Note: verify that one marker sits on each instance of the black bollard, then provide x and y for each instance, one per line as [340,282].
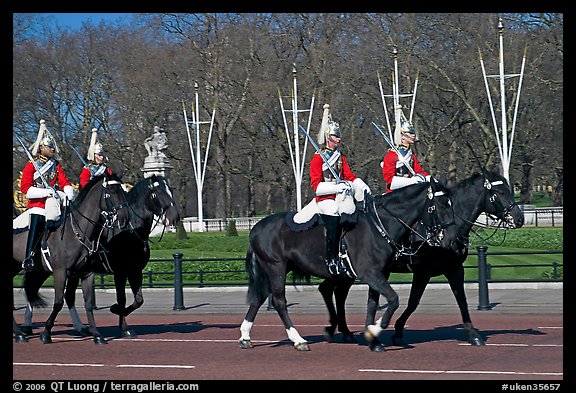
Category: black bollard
[178,290]
[483,302]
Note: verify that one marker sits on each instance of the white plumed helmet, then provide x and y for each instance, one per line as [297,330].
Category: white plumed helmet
[402,126]
[95,146]
[328,126]
[44,138]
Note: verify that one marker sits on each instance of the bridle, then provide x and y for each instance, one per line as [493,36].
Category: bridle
[109,216]
[160,210]
[434,231]
[496,201]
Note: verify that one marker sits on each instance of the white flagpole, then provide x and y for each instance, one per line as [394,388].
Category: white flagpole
[504,145]
[517,101]
[506,159]
[295,157]
[385,108]
[195,151]
[396,95]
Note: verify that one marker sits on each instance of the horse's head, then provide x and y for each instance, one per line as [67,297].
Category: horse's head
[113,201]
[161,200]
[499,200]
[438,217]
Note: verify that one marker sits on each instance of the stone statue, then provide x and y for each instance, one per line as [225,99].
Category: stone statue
[155,143]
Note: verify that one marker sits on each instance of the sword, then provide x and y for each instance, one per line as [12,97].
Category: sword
[321,154]
[82,159]
[44,182]
[400,156]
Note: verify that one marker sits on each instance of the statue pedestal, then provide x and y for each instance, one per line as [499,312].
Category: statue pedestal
[156,166]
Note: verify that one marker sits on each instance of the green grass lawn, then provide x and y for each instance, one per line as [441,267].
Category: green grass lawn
[219,245]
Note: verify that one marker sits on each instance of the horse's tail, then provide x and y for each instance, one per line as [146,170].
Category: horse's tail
[32,284]
[258,281]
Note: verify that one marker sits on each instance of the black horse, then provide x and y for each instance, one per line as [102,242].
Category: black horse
[486,192]
[275,250]
[126,253]
[100,205]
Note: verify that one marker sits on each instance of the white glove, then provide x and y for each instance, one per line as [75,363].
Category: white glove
[37,192]
[399,182]
[326,188]
[343,187]
[69,191]
[359,185]
[420,178]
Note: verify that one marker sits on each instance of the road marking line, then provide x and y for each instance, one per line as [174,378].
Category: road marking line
[459,372]
[59,364]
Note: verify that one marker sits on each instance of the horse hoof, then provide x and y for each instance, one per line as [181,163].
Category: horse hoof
[329,334]
[246,344]
[129,334]
[477,341]
[100,340]
[21,338]
[45,338]
[26,330]
[302,347]
[376,346]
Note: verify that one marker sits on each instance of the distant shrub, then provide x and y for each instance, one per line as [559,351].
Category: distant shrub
[231,230]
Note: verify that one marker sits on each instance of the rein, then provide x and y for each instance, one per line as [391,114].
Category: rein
[154,197]
[493,199]
[434,229]
[109,220]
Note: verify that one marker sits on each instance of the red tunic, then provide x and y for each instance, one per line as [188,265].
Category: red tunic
[389,169]
[86,174]
[53,176]
[317,175]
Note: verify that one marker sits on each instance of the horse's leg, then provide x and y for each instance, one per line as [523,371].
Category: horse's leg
[135,281]
[372,306]
[256,300]
[380,284]
[70,298]
[419,283]
[119,308]
[456,280]
[89,302]
[59,283]
[26,327]
[19,336]
[279,302]
[340,294]
[327,289]
[36,284]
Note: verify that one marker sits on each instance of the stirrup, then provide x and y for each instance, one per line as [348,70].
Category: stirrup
[28,264]
[336,267]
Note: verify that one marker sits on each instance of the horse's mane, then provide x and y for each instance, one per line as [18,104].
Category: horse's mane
[140,190]
[474,177]
[95,180]
[401,194]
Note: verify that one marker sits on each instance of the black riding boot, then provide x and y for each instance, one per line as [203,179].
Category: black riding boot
[37,223]
[332,224]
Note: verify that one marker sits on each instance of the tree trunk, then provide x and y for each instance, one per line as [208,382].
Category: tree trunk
[558,199]
[525,184]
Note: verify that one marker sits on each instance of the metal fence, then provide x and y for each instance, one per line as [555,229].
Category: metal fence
[533,216]
[177,277]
